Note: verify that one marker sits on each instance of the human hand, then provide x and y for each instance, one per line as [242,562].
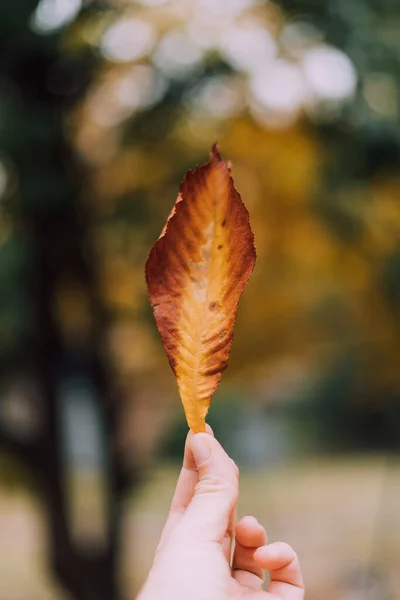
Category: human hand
[192,561]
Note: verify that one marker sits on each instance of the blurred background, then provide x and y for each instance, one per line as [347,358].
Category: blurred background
[104,105]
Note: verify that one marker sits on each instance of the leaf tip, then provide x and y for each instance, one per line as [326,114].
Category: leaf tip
[217,158]
[215,153]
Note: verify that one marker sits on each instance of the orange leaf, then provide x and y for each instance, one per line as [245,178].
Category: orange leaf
[195,274]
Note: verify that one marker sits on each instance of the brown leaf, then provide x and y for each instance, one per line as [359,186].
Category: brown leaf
[195,274]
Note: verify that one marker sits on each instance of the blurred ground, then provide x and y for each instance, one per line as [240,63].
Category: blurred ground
[339,514]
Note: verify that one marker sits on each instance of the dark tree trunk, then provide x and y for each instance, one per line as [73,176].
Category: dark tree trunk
[88,574]
[47,211]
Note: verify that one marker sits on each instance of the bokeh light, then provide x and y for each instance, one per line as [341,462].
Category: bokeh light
[54,14]
[329,73]
[127,40]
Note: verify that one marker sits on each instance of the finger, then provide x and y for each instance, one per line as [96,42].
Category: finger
[261,595]
[188,477]
[228,542]
[209,511]
[249,536]
[184,491]
[226,546]
[250,533]
[281,561]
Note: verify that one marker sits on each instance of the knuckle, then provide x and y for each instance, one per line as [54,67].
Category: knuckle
[216,485]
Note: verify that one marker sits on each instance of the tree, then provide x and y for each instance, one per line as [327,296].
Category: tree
[54,334]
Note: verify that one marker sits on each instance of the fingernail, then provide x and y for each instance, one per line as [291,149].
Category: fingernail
[201,449]
[209,430]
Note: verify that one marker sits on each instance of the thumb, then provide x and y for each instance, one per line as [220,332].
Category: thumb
[208,514]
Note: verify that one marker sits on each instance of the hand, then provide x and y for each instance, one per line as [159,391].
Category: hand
[192,561]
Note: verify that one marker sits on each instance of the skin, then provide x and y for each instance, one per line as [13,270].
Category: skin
[193,557]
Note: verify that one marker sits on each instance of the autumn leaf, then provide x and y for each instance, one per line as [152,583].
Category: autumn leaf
[195,274]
